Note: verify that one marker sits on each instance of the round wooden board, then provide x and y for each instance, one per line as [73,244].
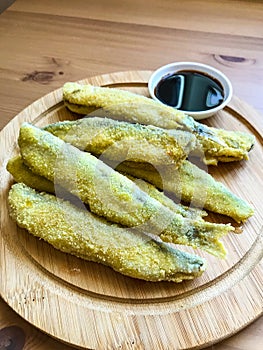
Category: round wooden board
[90,306]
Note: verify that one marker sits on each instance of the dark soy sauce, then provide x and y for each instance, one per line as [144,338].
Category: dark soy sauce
[190,91]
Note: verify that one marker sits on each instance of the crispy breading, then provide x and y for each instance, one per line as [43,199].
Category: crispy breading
[22,173]
[192,213]
[77,231]
[188,182]
[123,105]
[193,185]
[112,195]
[214,144]
[108,137]
[235,146]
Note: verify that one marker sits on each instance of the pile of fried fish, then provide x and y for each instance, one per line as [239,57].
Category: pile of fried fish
[108,187]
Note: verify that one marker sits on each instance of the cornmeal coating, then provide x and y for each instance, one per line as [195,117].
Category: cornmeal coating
[187,212]
[193,185]
[123,105]
[188,182]
[78,232]
[233,146]
[214,144]
[113,140]
[111,194]
[22,173]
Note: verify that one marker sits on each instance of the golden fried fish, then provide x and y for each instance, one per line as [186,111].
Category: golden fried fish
[77,231]
[112,195]
[186,181]
[108,137]
[214,144]
[192,185]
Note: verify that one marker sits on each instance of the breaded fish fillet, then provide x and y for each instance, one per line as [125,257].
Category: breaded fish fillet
[192,213]
[108,137]
[112,195]
[234,146]
[193,185]
[187,182]
[77,231]
[22,173]
[123,105]
[215,144]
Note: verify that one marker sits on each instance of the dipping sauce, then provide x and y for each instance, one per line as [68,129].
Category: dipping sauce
[189,90]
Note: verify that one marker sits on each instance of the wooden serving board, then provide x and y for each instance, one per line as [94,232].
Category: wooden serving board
[90,306]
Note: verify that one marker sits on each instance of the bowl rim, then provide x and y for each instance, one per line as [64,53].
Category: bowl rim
[164,70]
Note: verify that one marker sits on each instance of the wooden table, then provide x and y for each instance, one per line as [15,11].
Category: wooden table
[44,44]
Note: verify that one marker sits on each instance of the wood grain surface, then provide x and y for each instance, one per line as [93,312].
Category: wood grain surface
[43,44]
[111,310]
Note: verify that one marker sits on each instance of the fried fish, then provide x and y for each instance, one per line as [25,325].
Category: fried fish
[108,138]
[78,232]
[112,195]
[22,173]
[123,105]
[192,185]
[214,144]
[186,181]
